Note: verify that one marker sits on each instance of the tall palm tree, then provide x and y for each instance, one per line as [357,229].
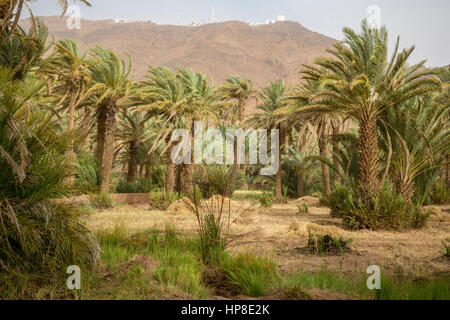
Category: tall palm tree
[133,131]
[112,86]
[238,89]
[298,100]
[71,68]
[360,82]
[273,98]
[163,94]
[202,101]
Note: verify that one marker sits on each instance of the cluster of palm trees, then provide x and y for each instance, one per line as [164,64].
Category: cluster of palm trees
[400,111]
[361,83]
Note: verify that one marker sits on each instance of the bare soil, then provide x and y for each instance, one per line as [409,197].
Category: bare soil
[281,232]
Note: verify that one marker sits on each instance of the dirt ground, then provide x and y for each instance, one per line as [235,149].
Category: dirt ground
[281,232]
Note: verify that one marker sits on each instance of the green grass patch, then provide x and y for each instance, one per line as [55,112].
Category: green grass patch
[250,275]
[247,195]
[392,287]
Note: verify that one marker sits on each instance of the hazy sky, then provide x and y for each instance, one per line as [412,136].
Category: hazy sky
[424,23]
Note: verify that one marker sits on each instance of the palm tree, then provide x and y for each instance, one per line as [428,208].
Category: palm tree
[302,164]
[360,82]
[273,98]
[236,88]
[72,71]
[163,94]
[37,233]
[23,51]
[11,10]
[201,102]
[418,128]
[112,86]
[298,100]
[133,131]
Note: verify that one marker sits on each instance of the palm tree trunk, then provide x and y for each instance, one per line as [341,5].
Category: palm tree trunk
[132,162]
[70,151]
[336,176]
[447,172]
[108,157]
[101,131]
[148,172]
[278,188]
[244,171]
[170,169]
[368,162]
[323,150]
[188,183]
[278,179]
[242,105]
[232,181]
[300,184]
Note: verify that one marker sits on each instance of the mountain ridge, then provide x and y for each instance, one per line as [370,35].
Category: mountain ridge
[261,53]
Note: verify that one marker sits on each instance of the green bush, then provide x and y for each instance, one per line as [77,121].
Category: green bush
[250,275]
[86,171]
[141,185]
[101,201]
[327,244]
[440,193]
[212,221]
[387,210]
[162,200]
[266,199]
[40,237]
[214,180]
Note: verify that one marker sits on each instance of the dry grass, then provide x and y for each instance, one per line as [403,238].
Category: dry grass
[280,231]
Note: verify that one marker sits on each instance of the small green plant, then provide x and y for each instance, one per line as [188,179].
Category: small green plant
[266,199]
[163,200]
[250,275]
[101,201]
[303,208]
[212,224]
[327,244]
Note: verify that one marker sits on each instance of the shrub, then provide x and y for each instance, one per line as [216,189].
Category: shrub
[162,200]
[250,275]
[40,237]
[387,210]
[266,199]
[440,193]
[86,171]
[141,185]
[214,180]
[211,224]
[181,266]
[101,201]
[327,244]
[303,208]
